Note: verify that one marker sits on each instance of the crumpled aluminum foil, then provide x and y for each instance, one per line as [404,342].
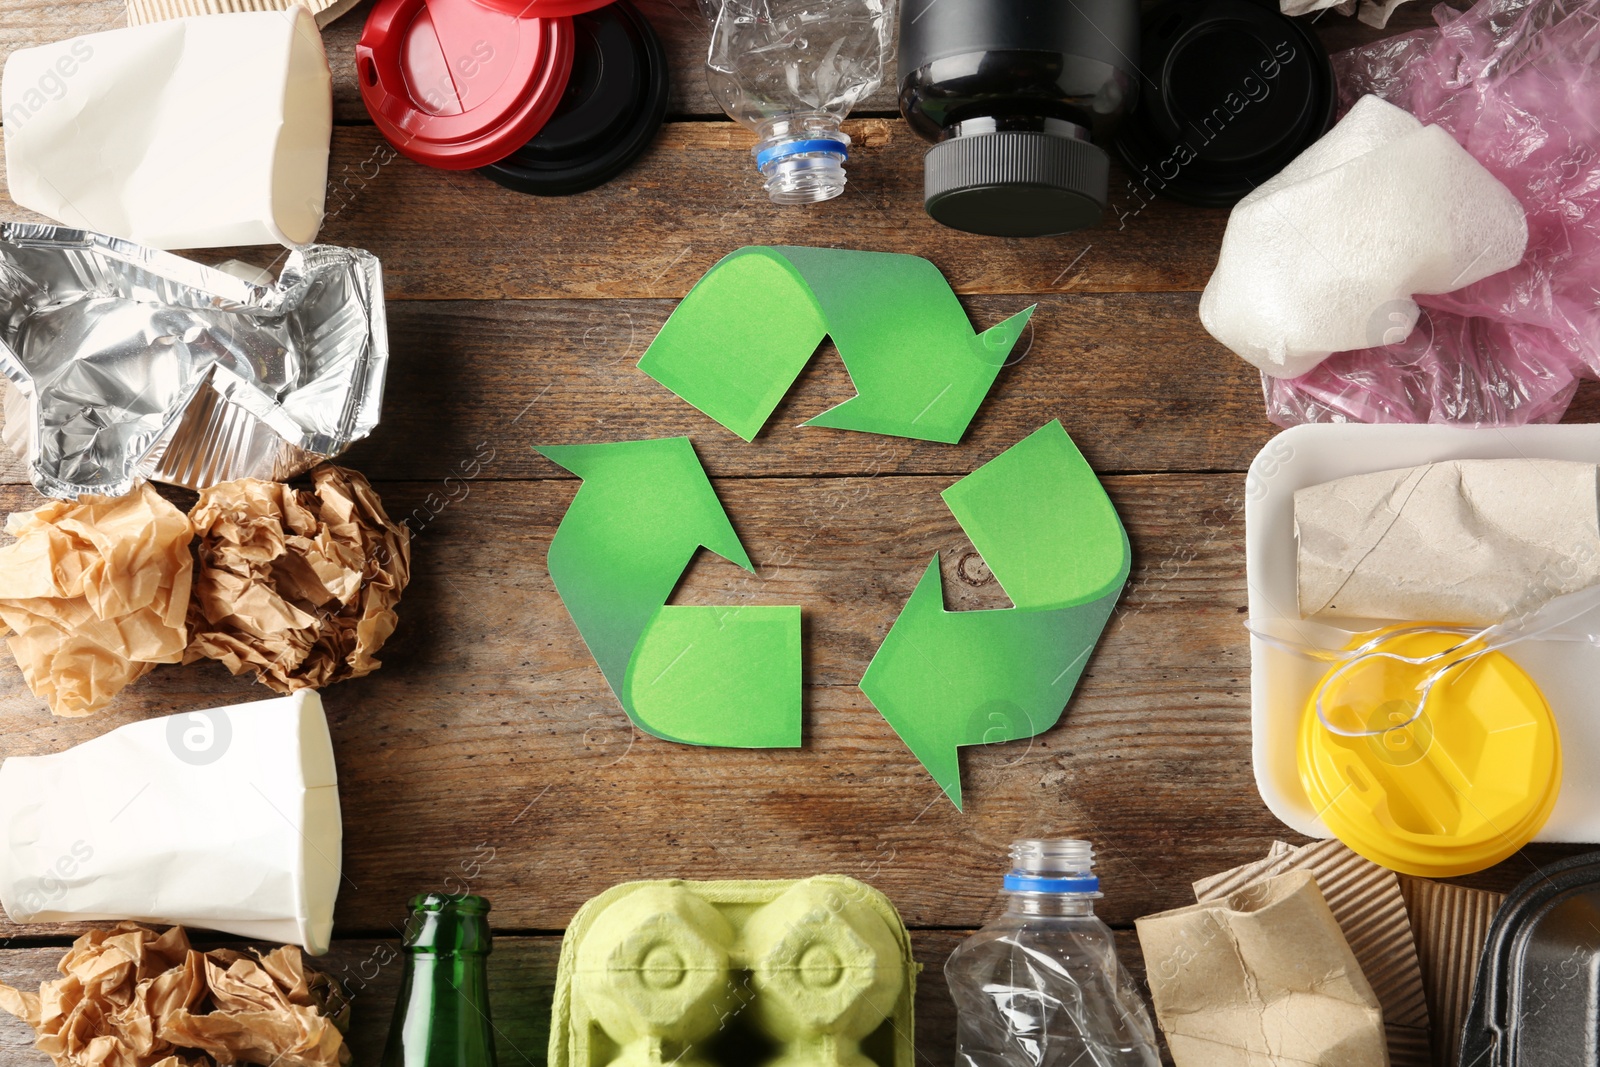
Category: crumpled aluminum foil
[129,363]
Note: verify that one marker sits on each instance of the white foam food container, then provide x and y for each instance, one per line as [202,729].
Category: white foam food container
[1281,682]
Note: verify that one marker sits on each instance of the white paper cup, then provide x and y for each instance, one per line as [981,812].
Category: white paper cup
[193,133]
[226,819]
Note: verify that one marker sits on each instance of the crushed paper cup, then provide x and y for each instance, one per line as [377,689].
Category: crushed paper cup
[226,819]
[143,11]
[1367,903]
[1261,976]
[138,364]
[194,133]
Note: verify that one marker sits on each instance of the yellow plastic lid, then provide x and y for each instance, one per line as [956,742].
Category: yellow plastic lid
[1462,787]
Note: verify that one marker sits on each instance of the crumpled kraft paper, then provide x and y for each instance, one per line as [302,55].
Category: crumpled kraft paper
[1470,541]
[132,998]
[298,587]
[1262,978]
[95,593]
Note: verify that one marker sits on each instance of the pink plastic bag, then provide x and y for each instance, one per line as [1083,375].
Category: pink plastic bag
[1517,83]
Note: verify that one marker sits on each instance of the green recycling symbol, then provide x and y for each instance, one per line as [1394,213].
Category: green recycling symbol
[731,676]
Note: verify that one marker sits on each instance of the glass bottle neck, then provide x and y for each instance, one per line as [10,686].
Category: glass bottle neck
[1050,903]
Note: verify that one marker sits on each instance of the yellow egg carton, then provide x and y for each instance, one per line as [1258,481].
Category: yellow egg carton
[814,972]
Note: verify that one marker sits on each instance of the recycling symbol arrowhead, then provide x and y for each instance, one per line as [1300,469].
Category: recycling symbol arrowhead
[731,676]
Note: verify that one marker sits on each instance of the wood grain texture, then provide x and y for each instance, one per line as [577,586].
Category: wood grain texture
[1135,380]
[691,199]
[490,726]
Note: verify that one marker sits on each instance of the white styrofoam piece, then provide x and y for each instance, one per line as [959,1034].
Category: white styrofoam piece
[1325,256]
[1281,683]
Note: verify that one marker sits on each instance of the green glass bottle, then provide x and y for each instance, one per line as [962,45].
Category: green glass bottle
[441,1018]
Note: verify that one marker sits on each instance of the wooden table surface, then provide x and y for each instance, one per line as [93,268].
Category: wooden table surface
[488,752]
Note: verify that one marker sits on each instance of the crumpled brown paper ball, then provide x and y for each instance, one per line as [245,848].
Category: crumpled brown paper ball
[297,586]
[132,998]
[95,592]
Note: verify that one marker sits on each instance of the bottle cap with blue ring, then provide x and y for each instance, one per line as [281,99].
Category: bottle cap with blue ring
[614,103]
[1231,91]
[773,153]
[455,84]
[1052,866]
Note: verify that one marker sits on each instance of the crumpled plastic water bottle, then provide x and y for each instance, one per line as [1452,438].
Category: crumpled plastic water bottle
[1041,986]
[791,70]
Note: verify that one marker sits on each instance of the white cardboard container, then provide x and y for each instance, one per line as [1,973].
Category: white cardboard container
[1281,682]
[192,133]
[225,819]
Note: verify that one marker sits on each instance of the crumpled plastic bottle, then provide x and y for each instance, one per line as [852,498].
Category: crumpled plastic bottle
[1040,986]
[791,70]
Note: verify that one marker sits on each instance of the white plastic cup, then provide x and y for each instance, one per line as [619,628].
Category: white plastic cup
[193,133]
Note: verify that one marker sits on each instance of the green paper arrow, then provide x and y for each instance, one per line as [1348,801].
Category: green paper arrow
[736,343]
[1044,525]
[727,676]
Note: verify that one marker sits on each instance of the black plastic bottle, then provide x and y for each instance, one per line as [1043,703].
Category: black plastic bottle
[1015,93]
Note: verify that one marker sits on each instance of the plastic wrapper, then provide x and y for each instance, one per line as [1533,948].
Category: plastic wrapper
[298,587]
[133,363]
[1372,12]
[1515,82]
[129,997]
[95,594]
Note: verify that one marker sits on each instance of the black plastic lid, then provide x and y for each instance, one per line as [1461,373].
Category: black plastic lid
[1016,183]
[614,104]
[1537,992]
[1230,92]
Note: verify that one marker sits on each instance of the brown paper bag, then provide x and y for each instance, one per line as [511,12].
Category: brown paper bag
[1261,978]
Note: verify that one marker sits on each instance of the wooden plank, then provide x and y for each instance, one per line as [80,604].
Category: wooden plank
[489,702]
[489,751]
[522,974]
[472,385]
[684,34]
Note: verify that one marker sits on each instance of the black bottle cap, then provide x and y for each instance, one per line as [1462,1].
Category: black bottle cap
[614,104]
[1230,92]
[1015,183]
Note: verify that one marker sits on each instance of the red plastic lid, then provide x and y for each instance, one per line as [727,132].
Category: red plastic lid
[456,84]
[544,9]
